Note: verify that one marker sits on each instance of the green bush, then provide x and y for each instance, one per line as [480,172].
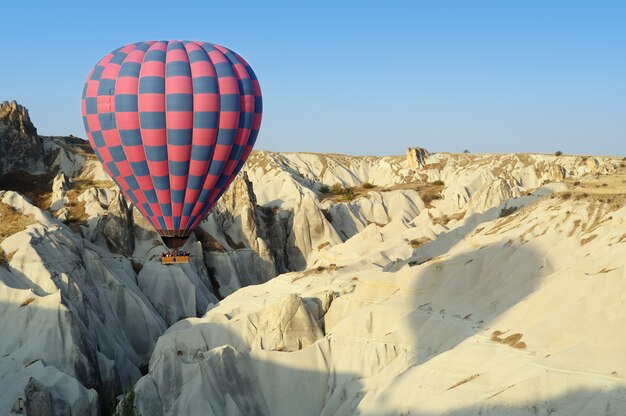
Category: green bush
[337,189]
[348,194]
[438,182]
[324,189]
[558,153]
[128,406]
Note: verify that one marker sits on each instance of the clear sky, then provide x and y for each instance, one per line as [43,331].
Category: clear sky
[359,77]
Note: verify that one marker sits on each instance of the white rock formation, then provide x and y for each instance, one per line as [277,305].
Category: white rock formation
[386,304]
[466,324]
[177,292]
[235,226]
[59,186]
[287,325]
[416,157]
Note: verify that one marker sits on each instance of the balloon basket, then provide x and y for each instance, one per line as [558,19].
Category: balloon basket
[184,259]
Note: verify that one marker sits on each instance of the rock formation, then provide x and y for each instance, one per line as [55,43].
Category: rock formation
[20,147]
[438,284]
[416,157]
[287,325]
[60,186]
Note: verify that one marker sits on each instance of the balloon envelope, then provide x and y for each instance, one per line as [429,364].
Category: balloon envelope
[172,123]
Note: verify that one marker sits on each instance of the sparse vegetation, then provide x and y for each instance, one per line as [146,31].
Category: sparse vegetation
[588,239]
[513,340]
[77,214]
[438,182]
[324,189]
[128,404]
[348,194]
[336,189]
[445,219]
[84,184]
[558,153]
[417,242]
[429,197]
[367,185]
[321,269]
[37,188]
[342,193]
[465,380]
[507,211]
[12,221]
[27,302]
[324,244]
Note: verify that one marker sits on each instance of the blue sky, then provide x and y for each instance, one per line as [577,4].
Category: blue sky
[360,77]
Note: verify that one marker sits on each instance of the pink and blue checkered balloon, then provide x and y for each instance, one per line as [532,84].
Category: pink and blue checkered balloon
[172,123]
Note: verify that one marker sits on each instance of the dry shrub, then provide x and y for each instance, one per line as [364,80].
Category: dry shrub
[429,195]
[84,184]
[5,258]
[37,188]
[27,302]
[465,380]
[588,239]
[321,269]
[367,185]
[325,244]
[445,219]
[12,221]
[76,212]
[513,340]
[417,242]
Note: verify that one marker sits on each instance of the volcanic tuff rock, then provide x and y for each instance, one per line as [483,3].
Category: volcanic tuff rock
[466,323]
[287,325]
[437,275]
[60,185]
[416,157]
[20,146]
[236,228]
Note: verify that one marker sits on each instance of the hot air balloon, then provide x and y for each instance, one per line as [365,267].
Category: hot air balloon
[172,122]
